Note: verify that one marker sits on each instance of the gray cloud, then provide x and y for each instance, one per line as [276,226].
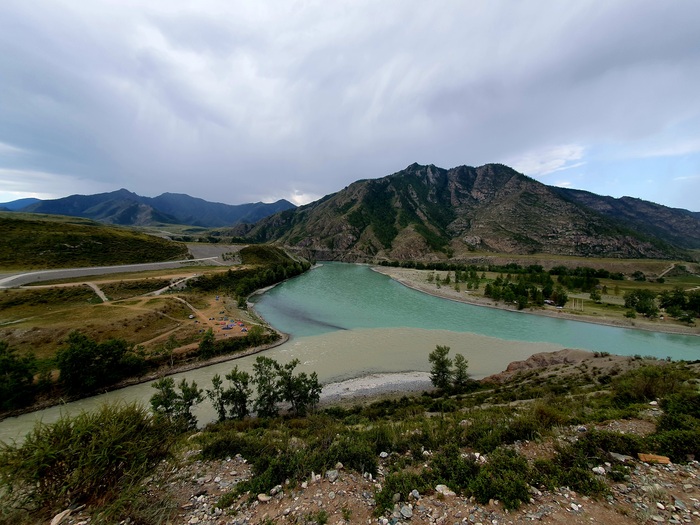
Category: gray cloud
[238,101]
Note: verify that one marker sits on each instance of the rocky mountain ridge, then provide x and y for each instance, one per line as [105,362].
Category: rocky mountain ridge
[429,213]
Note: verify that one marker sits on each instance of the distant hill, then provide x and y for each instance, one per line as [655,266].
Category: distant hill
[17,205]
[126,208]
[677,226]
[31,241]
[426,212]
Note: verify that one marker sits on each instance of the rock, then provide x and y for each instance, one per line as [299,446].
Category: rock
[660,506]
[383,455]
[339,466]
[598,470]
[653,458]
[622,458]
[406,512]
[264,498]
[58,518]
[275,490]
[444,490]
[331,475]
[415,494]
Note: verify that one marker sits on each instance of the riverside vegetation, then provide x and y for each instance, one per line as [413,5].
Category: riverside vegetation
[597,292]
[130,336]
[118,461]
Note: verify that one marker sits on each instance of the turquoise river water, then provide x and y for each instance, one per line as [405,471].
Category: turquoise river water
[347,321]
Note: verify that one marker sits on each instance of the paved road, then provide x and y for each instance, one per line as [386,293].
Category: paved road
[20,279]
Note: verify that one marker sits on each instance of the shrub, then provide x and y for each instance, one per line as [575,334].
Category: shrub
[450,468]
[401,483]
[648,383]
[90,458]
[679,445]
[505,477]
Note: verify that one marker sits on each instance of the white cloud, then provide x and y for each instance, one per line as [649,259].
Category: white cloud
[19,184]
[548,160]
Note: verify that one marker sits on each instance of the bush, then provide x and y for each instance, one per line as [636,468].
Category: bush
[648,383]
[679,445]
[91,458]
[453,470]
[504,477]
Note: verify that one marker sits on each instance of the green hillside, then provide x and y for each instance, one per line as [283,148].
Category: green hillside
[32,242]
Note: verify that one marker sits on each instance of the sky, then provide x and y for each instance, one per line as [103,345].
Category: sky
[240,101]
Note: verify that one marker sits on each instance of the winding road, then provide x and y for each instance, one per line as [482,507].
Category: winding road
[20,279]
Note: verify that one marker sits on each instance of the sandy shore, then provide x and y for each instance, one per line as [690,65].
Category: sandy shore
[375,386]
[416,279]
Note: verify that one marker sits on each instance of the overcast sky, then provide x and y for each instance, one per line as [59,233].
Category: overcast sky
[246,101]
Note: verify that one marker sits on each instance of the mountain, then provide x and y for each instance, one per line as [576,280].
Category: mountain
[677,226]
[126,208]
[17,205]
[425,212]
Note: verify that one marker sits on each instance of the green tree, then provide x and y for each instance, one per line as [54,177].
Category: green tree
[642,301]
[460,374]
[16,378]
[595,295]
[188,397]
[302,391]
[267,386]
[170,346]
[237,395]
[559,296]
[230,402]
[86,365]
[216,396]
[207,349]
[163,401]
[441,367]
[176,407]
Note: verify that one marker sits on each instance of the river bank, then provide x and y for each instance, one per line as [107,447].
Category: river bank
[416,280]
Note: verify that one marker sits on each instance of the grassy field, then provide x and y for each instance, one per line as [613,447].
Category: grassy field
[33,242]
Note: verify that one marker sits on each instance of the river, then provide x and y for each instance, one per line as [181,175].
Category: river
[347,321]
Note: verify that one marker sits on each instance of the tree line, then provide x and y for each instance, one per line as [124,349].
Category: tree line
[681,304]
[274,384]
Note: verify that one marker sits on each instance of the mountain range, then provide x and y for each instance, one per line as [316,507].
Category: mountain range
[427,212]
[126,208]
[420,213]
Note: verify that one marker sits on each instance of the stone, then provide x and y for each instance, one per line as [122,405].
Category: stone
[264,498]
[331,475]
[622,458]
[58,518]
[598,470]
[383,455]
[406,512]
[415,494]
[444,490]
